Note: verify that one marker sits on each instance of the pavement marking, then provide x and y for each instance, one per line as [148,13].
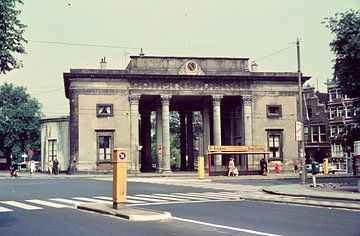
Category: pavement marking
[86,199]
[110,199]
[202,196]
[145,198]
[46,203]
[68,201]
[163,196]
[225,227]
[3,209]
[21,205]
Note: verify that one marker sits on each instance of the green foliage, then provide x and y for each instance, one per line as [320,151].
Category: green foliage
[19,121]
[346,46]
[11,35]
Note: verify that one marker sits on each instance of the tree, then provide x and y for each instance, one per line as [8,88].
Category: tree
[346,46]
[19,121]
[11,35]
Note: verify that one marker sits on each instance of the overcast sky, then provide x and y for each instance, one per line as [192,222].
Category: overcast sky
[77,33]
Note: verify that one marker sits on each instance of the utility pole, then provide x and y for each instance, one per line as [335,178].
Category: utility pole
[300,119]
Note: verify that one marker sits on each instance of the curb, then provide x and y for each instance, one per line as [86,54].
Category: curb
[313,195]
[131,214]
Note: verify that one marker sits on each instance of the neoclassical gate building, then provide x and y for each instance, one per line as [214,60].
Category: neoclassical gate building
[112,108]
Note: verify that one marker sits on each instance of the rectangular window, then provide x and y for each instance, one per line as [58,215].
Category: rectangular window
[306,134]
[315,134]
[332,112]
[333,130]
[348,111]
[336,150]
[340,111]
[340,129]
[275,144]
[322,130]
[52,149]
[104,110]
[105,143]
[332,95]
[273,111]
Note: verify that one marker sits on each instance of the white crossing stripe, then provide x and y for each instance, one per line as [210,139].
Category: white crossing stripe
[21,205]
[68,201]
[201,196]
[127,200]
[164,196]
[46,203]
[178,196]
[149,199]
[3,209]
[86,199]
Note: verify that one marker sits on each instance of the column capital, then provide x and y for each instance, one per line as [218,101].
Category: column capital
[134,98]
[165,99]
[216,99]
[247,99]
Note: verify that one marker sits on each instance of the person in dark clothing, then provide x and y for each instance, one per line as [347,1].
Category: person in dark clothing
[263,166]
[56,167]
[13,170]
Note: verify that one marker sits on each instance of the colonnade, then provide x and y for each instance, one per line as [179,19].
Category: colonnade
[186,133]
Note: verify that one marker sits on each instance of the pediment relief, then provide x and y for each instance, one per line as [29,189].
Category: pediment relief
[190,68]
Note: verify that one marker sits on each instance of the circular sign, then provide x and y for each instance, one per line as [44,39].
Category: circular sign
[122,155]
[30,153]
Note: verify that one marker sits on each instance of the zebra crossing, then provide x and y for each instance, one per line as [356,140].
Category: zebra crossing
[132,200]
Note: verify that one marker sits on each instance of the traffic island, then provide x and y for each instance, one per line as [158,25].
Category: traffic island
[132,214]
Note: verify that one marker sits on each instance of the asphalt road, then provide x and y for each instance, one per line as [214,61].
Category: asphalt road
[210,217]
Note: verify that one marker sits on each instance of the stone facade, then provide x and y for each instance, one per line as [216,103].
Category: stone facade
[110,108]
[55,141]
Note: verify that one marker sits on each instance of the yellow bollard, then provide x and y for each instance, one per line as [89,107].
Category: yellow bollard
[120,159]
[201,168]
[326,166]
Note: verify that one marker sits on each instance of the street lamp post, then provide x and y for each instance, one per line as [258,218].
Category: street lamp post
[300,119]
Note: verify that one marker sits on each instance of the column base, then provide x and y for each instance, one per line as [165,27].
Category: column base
[166,172]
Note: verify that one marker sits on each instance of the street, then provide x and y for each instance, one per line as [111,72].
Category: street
[45,206]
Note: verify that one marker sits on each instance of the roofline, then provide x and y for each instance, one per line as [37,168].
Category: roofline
[293,76]
[189,58]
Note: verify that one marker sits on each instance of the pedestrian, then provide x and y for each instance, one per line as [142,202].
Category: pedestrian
[296,167]
[263,167]
[50,166]
[277,168]
[32,167]
[56,167]
[14,170]
[231,167]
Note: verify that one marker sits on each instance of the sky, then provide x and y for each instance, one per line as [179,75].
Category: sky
[69,34]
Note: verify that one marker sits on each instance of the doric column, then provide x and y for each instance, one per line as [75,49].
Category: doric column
[247,111]
[165,104]
[159,139]
[190,141]
[206,131]
[182,141]
[146,141]
[217,125]
[134,133]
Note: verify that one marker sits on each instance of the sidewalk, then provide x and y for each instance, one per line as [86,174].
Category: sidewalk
[296,190]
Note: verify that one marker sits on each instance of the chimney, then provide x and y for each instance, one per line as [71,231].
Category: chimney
[141,53]
[254,66]
[103,64]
